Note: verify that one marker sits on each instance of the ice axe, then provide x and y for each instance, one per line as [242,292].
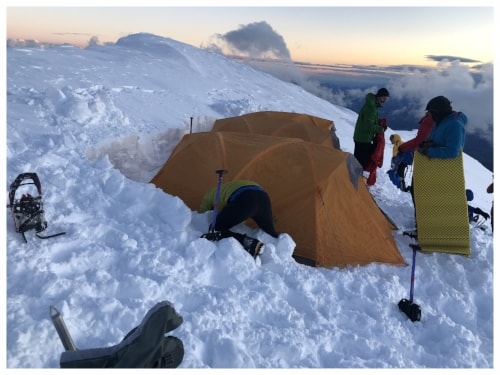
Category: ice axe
[212,235]
[61,329]
[412,310]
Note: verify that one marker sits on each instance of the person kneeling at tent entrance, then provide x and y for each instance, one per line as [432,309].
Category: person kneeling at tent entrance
[240,200]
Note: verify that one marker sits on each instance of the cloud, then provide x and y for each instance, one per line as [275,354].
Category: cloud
[94,41]
[470,91]
[261,47]
[255,40]
[440,58]
[469,88]
[71,34]
[28,43]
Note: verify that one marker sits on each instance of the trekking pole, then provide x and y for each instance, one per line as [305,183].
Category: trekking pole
[412,310]
[61,329]
[220,172]
[412,278]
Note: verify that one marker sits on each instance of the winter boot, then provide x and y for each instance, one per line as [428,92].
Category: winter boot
[252,245]
[402,184]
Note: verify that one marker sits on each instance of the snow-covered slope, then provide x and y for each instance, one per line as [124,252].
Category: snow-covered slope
[96,124]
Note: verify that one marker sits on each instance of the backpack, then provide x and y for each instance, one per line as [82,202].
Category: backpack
[399,168]
[145,346]
[407,158]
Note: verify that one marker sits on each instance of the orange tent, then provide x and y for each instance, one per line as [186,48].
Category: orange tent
[282,124]
[333,221]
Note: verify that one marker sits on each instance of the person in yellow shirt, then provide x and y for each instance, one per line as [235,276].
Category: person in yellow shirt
[396,142]
[399,163]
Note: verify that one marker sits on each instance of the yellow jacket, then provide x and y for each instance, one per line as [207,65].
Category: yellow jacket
[396,141]
[226,190]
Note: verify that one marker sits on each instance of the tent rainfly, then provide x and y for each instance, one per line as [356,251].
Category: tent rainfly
[317,198]
[282,124]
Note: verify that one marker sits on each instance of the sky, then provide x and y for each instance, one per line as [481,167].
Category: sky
[97,124]
[310,32]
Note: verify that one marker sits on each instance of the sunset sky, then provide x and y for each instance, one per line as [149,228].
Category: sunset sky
[340,34]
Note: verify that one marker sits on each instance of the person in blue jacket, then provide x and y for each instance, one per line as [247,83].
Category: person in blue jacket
[447,138]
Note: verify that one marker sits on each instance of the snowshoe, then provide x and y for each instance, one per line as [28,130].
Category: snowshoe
[26,208]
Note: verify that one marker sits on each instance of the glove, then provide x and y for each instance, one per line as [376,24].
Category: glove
[423,150]
[212,236]
[423,147]
[382,122]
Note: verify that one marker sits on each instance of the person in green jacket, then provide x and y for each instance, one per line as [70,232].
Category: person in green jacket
[240,200]
[368,124]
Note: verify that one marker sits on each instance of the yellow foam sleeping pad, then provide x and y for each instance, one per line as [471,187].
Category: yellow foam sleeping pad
[441,205]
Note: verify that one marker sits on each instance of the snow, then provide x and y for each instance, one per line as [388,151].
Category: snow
[96,124]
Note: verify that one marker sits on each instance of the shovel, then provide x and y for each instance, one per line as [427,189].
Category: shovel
[212,234]
[412,310]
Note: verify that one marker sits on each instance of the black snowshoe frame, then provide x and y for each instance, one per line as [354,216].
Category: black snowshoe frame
[27,210]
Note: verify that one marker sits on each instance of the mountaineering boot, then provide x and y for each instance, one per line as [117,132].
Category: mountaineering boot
[402,184]
[411,233]
[252,245]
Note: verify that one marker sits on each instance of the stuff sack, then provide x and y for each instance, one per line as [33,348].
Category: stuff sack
[399,167]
